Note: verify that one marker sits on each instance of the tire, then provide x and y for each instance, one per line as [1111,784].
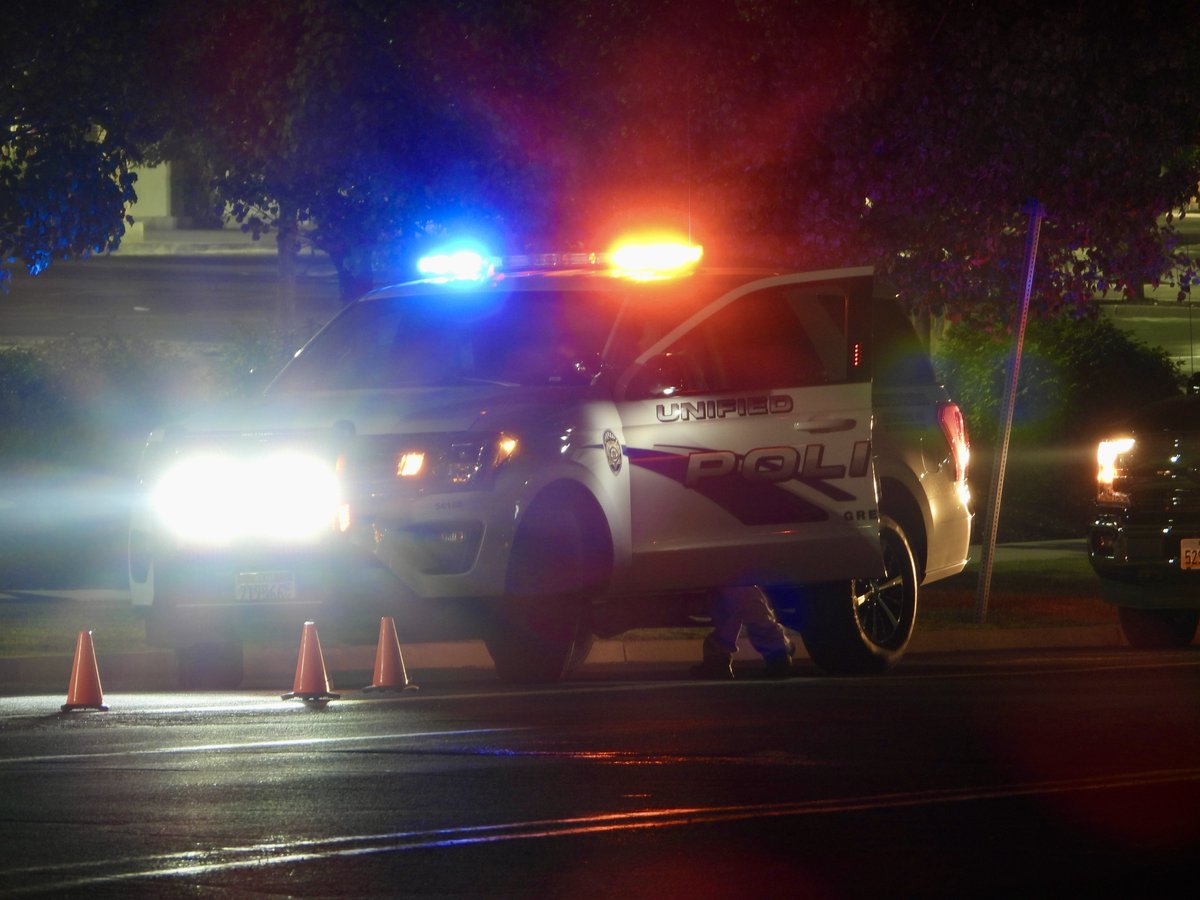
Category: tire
[862,627]
[584,641]
[210,666]
[536,634]
[1158,629]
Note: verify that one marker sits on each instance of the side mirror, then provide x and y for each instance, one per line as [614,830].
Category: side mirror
[582,370]
[664,375]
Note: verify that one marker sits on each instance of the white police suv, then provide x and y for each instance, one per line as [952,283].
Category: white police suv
[546,449]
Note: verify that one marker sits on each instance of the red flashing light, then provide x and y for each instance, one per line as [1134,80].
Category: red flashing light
[652,257]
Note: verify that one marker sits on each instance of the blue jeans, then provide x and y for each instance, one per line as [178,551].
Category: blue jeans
[747,607]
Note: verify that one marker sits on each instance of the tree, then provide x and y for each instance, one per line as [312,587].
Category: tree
[338,122]
[901,133]
[910,135]
[73,125]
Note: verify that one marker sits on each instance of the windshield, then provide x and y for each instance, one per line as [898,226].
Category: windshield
[457,337]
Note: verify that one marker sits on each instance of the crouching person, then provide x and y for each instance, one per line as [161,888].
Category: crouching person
[747,607]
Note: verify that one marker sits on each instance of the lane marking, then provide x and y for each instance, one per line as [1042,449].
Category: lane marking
[253,745]
[208,862]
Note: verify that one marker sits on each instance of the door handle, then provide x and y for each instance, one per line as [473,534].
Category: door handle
[824,426]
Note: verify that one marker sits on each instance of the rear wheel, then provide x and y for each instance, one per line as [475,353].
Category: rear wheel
[537,634]
[1158,629]
[863,627]
[210,666]
[584,641]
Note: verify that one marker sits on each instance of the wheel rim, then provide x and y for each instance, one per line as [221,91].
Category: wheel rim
[883,605]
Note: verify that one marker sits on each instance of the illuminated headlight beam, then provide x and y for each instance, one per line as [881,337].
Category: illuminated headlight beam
[217,499]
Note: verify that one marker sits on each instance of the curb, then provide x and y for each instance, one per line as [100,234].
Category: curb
[192,242]
[273,667]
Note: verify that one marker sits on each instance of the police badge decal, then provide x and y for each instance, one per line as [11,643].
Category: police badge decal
[612,450]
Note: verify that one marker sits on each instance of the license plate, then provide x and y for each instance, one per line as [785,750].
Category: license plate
[264,587]
[1189,553]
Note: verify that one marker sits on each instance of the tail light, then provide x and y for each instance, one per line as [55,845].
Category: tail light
[954,427]
[1109,467]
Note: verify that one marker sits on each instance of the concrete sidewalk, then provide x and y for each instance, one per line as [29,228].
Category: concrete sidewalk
[192,242]
[274,666]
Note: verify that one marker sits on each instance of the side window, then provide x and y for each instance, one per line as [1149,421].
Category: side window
[785,336]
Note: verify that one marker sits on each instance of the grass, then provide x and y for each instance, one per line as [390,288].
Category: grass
[1028,594]
[33,625]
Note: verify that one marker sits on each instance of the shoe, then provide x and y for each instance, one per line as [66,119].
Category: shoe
[779,664]
[714,668]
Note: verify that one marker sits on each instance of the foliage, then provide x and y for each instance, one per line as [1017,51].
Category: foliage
[332,123]
[245,365]
[904,134]
[912,135]
[84,400]
[33,406]
[90,400]
[1078,378]
[74,120]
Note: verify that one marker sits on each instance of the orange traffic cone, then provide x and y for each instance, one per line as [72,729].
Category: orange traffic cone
[84,690]
[312,681]
[390,674]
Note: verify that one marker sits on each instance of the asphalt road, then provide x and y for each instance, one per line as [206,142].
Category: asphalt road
[1002,774]
[200,299]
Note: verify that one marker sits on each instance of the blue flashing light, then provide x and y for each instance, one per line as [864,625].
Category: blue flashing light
[457,265]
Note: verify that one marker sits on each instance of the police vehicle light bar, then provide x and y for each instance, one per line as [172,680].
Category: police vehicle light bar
[648,260]
[640,259]
[457,265]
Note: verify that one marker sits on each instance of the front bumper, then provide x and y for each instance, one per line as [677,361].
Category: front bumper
[251,595]
[430,575]
[1139,565]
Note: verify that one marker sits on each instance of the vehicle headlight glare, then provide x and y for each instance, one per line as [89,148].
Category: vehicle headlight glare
[409,464]
[214,499]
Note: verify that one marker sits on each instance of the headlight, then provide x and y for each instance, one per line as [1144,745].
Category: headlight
[218,499]
[1109,467]
[460,462]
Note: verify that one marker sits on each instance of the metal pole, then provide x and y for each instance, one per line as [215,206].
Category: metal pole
[1036,214]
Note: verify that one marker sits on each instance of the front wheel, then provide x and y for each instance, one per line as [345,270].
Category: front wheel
[537,635]
[1158,629]
[863,627]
